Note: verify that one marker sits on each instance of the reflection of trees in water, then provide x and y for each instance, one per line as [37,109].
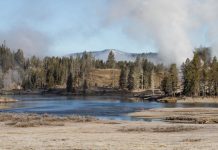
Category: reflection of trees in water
[103,107]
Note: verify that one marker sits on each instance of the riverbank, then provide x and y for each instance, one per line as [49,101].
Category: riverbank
[198,100]
[134,96]
[188,100]
[7,100]
[30,131]
[181,115]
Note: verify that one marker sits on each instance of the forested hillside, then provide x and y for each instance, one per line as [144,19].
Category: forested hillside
[18,72]
[197,76]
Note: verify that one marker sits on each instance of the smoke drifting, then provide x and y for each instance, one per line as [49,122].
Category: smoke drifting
[32,42]
[171,24]
[174,27]
[20,32]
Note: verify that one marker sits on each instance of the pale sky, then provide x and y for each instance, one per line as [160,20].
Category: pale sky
[60,27]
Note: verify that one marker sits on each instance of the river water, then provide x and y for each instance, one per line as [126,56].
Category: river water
[114,108]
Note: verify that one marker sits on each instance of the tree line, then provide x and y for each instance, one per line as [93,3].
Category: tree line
[72,72]
[200,74]
[196,77]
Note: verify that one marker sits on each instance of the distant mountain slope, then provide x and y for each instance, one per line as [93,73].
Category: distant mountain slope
[120,55]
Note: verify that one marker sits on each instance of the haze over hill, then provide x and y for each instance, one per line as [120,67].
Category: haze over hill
[120,55]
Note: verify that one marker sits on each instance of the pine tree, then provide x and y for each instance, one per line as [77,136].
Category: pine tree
[123,78]
[111,60]
[196,68]
[205,56]
[174,78]
[187,78]
[131,82]
[69,87]
[213,77]
[166,85]
[147,72]
[19,57]
[85,86]
[170,81]
[138,73]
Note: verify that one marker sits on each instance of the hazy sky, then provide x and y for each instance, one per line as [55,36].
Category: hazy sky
[59,27]
[62,26]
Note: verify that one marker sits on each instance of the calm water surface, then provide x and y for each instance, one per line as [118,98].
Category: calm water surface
[114,108]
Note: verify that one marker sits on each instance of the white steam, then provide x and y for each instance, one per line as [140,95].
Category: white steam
[169,23]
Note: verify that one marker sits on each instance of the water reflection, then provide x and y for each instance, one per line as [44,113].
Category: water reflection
[114,108]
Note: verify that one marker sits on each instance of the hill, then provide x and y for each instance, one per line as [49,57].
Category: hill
[120,55]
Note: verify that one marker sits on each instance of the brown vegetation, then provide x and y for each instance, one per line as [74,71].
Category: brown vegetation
[181,115]
[104,78]
[210,99]
[33,120]
[168,128]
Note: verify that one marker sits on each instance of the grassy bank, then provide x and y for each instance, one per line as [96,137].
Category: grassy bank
[188,100]
[198,100]
[34,120]
[181,115]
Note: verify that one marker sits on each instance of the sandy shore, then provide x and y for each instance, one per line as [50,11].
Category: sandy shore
[18,131]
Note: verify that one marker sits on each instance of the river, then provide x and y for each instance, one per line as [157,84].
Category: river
[114,108]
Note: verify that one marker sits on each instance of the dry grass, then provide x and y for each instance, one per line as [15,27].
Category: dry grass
[168,100]
[181,115]
[104,77]
[191,140]
[179,128]
[33,120]
[98,135]
[3,106]
[196,100]
[171,128]
[134,129]
[194,119]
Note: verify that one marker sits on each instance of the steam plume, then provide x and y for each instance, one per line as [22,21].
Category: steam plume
[171,24]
